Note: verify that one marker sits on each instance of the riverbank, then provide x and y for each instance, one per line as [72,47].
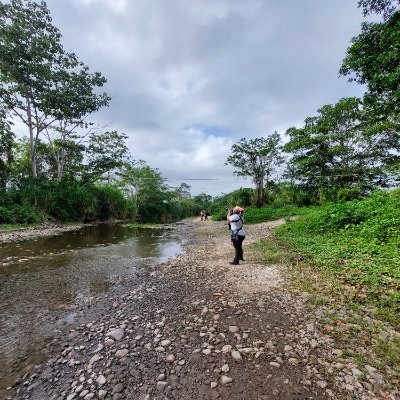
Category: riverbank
[35,232]
[197,328]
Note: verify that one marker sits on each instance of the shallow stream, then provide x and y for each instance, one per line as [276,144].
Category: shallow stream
[44,282]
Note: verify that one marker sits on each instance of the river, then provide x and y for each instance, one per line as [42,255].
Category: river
[45,282]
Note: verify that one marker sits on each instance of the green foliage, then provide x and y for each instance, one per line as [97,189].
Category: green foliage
[19,215]
[357,241]
[253,215]
[269,213]
[337,155]
[258,159]
[41,83]
[66,201]
[373,60]
[385,7]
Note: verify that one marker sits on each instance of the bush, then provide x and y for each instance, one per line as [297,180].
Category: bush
[357,241]
[6,216]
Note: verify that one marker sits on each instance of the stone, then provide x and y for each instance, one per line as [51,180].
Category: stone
[97,348]
[322,384]
[101,380]
[161,385]
[225,368]
[274,364]
[117,334]
[102,394]
[118,388]
[165,343]
[227,348]
[233,328]
[121,353]
[225,380]
[236,355]
[170,358]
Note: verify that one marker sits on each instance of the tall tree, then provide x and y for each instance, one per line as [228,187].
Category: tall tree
[106,151]
[373,60]
[148,189]
[257,158]
[39,81]
[6,148]
[336,150]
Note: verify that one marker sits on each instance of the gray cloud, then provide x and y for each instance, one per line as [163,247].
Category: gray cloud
[188,79]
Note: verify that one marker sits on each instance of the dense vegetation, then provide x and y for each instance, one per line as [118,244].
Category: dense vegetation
[358,242]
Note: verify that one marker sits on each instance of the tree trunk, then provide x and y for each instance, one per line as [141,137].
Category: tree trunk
[259,198]
[32,139]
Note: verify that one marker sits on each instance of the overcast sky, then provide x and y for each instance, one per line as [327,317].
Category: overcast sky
[188,78]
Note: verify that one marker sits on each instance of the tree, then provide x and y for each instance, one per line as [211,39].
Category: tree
[148,189]
[385,7]
[105,151]
[337,151]
[373,60]
[257,158]
[39,81]
[183,191]
[6,148]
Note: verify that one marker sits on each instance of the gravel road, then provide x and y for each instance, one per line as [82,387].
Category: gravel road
[196,327]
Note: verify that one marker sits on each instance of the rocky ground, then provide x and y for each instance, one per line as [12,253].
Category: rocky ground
[18,235]
[199,328]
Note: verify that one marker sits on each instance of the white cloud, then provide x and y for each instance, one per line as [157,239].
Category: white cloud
[189,78]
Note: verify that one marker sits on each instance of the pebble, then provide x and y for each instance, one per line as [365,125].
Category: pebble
[227,348]
[101,380]
[225,380]
[161,385]
[117,334]
[236,355]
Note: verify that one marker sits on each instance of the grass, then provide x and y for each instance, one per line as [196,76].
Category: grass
[356,245]
[346,256]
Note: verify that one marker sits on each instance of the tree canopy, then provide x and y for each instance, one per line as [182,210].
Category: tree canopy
[373,59]
[384,7]
[256,158]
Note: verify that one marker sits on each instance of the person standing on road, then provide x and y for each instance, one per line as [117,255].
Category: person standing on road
[236,221]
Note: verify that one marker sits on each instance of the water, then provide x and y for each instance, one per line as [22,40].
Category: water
[43,282]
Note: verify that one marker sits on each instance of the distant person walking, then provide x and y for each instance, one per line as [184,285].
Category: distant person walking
[202,215]
[236,221]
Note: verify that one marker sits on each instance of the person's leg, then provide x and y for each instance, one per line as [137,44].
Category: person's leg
[236,245]
[241,238]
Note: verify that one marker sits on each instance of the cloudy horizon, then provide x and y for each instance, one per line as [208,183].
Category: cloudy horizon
[189,79]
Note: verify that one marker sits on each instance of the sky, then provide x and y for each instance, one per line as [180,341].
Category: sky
[188,79]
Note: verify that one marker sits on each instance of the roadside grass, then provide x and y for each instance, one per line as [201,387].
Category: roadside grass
[13,227]
[356,245]
[346,257]
[347,319]
[253,215]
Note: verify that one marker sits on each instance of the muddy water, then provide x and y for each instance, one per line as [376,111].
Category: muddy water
[44,282]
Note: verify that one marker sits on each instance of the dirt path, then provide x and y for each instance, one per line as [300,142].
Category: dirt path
[199,328]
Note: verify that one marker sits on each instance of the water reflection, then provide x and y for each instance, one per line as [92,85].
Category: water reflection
[43,281]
